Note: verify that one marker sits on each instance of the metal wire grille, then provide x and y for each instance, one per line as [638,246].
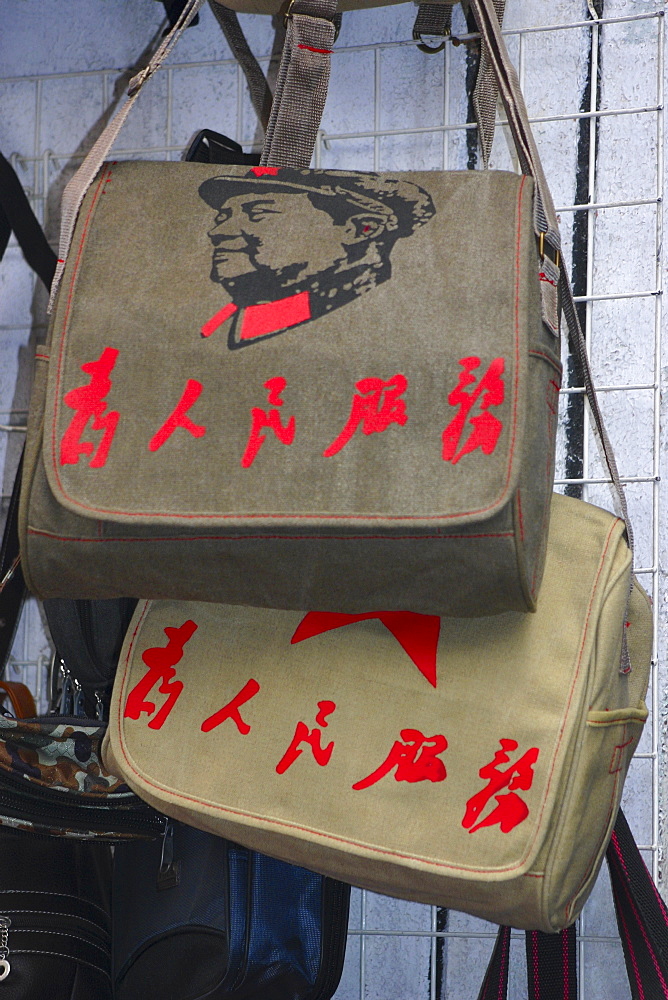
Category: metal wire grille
[594,78]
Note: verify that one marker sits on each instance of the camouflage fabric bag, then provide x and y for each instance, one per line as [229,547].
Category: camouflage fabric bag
[52,781]
[301,389]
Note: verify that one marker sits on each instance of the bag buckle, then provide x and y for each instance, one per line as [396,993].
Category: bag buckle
[541,250]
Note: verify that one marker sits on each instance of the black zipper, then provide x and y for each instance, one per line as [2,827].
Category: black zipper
[46,807]
[125,813]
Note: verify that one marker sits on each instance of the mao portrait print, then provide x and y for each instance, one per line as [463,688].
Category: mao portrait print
[291,245]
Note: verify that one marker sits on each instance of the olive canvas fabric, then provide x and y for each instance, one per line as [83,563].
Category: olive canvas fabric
[301,389]
[474,763]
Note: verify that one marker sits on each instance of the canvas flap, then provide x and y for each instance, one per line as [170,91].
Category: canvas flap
[442,744]
[235,345]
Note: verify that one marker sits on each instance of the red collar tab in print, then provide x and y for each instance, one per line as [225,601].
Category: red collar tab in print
[262,320]
[416,633]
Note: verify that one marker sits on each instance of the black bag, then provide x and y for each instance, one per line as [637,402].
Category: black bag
[196,916]
[55,918]
[88,636]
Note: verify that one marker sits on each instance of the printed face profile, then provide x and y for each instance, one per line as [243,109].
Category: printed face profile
[304,242]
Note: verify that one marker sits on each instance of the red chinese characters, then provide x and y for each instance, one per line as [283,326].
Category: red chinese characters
[233,710]
[486,427]
[416,759]
[312,738]
[375,406]
[179,417]
[160,661]
[510,809]
[270,419]
[90,404]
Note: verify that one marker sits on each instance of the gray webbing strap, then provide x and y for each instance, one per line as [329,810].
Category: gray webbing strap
[486,92]
[260,94]
[301,87]
[75,191]
[511,95]
[433,19]
[436,19]
[545,219]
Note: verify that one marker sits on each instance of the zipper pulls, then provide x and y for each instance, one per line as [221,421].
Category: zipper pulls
[169,873]
[66,706]
[5,968]
[100,708]
[78,708]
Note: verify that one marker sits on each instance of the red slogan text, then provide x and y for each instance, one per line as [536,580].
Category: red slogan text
[376,405]
[413,758]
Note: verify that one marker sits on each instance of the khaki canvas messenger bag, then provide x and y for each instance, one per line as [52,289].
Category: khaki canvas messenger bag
[476,764]
[303,389]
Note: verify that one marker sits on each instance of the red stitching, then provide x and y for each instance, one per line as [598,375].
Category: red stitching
[331,517]
[243,538]
[543,277]
[540,354]
[533,937]
[622,860]
[631,952]
[309,48]
[342,840]
[579,662]
[566,966]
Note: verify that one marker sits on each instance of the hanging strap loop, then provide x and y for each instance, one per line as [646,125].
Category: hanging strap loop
[75,191]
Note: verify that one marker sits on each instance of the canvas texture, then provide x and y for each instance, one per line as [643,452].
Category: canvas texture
[309,390]
[475,764]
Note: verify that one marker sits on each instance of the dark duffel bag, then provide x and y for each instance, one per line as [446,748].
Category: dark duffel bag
[196,916]
[55,920]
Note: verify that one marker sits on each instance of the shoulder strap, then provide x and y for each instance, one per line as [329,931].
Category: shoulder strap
[551,966]
[258,87]
[436,19]
[12,584]
[301,86]
[76,188]
[642,919]
[642,916]
[17,216]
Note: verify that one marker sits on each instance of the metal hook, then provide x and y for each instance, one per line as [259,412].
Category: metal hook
[423,47]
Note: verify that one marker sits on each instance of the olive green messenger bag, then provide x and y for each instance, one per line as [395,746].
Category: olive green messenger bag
[294,388]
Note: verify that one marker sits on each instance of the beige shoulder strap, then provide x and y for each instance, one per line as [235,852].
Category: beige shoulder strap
[75,191]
